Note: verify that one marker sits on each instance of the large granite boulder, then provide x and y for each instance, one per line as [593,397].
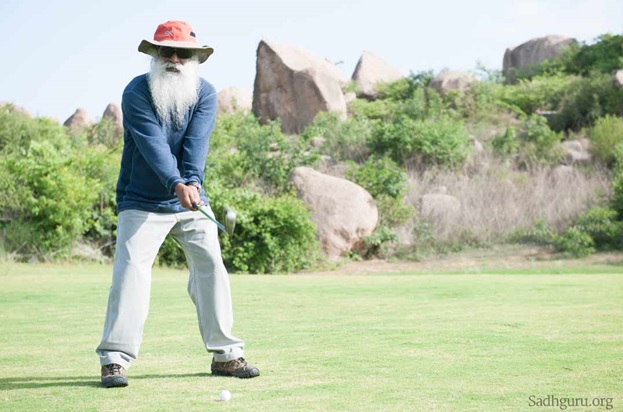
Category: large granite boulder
[294,85]
[532,52]
[79,121]
[343,212]
[233,99]
[114,114]
[371,70]
[452,81]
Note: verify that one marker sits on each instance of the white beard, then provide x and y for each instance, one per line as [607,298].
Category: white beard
[173,92]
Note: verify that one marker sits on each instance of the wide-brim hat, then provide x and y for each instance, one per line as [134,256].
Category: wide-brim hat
[176,34]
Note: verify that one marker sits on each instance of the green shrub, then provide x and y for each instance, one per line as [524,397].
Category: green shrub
[245,153]
[507,143]
[585,100]
[540,93]
[441,141]
[344,139]
[51,200]
[617,181]
[380,244]
[538,143]
[601,224]
[539,234]
[605,135]
[17,130]
[574,242]
[387,184]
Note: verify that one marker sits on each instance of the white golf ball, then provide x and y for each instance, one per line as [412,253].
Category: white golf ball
[225,395]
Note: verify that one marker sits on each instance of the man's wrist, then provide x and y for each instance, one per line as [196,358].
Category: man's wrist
[194,184]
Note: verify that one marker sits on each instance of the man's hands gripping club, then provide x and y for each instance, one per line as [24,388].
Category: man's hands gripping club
[188,196]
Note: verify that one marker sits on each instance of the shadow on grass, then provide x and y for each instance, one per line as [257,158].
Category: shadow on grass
[7,384]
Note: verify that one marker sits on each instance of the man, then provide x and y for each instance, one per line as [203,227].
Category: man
[168,116]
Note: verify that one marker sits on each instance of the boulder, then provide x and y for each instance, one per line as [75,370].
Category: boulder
[452,81]
[294,85]
[344,213]
[15,108]
[576,151]
[78,121]
[371,70]
[618,78]
[234,99]
[115,116]
[440,206]
[532,52]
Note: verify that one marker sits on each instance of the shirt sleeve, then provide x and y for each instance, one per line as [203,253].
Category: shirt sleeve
[142,123]
[197,139]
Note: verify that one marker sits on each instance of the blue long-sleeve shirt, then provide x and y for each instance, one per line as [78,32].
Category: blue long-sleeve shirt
[157,156]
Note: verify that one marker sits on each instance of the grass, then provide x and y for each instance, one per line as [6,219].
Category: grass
[328,342]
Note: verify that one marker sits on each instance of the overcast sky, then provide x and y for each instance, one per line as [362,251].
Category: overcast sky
[64,54]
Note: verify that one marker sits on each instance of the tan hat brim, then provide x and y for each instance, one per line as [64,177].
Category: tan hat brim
[151,48]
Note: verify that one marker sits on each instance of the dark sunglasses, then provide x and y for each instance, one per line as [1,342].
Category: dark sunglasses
[167,52]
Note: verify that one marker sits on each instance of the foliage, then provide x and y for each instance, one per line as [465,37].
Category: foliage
[585,100]
[380,244]
[603,56]
[51,199]
[617,182]
[539,234]
[540,93]
[343,139]
[605,135]
[273,234]
[387,184]
[574,242]
[443,141]
[601,224]
[539,144]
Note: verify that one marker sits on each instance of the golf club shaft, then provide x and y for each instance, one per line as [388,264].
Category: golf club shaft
[206,214]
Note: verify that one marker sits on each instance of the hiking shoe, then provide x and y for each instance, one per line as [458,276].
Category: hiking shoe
[113,376]
[237,367]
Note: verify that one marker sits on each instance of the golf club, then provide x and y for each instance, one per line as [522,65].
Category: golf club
[230,219]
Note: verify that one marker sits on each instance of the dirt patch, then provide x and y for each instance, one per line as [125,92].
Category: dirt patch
[505,258]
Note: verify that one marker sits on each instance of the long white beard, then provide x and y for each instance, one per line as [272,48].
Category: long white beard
[173,92]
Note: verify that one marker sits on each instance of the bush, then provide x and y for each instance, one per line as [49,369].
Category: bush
[539,144]
[540,93]
[442,141]
[50,201]
[387,184]
[585,100]
[605,135]
[344,139]
[574,242]
[601,224]
[273,234]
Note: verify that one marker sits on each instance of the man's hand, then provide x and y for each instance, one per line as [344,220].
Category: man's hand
[188,195]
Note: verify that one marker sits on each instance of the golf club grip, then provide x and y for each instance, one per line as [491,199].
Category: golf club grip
[206,214]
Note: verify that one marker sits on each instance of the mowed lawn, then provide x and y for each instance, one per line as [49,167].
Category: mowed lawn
[324,342]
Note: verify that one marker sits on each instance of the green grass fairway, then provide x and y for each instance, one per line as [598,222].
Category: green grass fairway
[324,342]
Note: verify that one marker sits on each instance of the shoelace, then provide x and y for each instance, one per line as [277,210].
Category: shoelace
[114,369]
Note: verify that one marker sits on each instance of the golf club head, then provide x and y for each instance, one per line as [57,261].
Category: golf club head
[230,221]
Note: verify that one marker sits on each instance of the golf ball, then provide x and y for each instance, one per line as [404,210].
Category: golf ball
[225,395]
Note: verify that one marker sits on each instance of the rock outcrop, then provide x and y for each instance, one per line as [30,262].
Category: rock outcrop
[371,70]
[532,52]
[294,85]
[343,212]
[233,99]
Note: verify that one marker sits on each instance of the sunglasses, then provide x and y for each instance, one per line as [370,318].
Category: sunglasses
[167,52]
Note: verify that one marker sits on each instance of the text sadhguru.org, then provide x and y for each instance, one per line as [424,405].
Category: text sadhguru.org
[564,403]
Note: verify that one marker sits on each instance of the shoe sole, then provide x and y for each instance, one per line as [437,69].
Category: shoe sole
[115,382]
[248,376]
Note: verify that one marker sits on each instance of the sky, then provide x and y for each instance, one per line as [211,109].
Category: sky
[60,55]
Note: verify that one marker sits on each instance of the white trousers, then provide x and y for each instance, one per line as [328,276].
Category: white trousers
[139,237]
